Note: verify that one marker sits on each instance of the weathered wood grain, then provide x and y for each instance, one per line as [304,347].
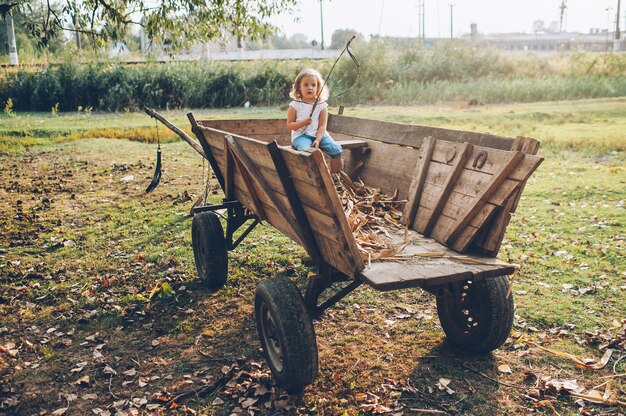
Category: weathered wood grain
[482,197]
[419,179]
[450,181]
[409,134]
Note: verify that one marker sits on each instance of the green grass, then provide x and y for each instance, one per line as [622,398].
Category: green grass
[567,236]
[569,230]
[595,126]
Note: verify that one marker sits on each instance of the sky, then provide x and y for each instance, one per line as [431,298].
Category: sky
[400,17]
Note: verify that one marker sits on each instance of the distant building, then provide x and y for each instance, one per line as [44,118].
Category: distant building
[547,41]
[117,50]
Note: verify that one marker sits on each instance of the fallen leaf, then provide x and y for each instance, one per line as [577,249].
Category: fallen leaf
[83,381]
[109,370]
[504,368]
[360,397]
[248,402]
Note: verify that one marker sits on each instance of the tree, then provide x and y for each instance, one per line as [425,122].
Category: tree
[25,40]
[176,23]
[342,36]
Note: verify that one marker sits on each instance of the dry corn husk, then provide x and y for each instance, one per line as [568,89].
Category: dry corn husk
[370,213]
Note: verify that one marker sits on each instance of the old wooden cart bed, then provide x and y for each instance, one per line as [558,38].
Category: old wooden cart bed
[460,189]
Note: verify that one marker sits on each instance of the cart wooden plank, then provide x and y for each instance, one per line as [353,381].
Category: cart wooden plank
[449,183]
[419,179]
[249,127]
[481,199]
[424,262]
[410,134]
[386,276]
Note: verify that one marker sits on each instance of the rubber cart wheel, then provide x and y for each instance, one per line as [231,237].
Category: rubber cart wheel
[209,249]
[286,333]
[477,316]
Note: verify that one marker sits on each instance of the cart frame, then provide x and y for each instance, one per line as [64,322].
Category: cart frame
[473,294]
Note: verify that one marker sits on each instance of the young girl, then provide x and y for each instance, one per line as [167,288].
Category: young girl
[309,130]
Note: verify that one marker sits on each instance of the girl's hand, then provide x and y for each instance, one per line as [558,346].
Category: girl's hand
[307,121]
[316,143]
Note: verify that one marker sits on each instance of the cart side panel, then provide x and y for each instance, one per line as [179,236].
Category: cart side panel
[459,197]
[324,201]
[411,134]
[387,167]
[215,139]
[311,180]
[263,130]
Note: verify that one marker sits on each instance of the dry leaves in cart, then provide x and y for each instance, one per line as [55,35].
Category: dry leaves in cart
[370,212]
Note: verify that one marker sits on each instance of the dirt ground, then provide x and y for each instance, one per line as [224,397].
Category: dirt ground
[101,312]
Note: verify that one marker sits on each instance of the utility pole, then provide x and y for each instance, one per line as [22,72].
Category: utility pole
[322,23]
[608,27]
[420,17]
[616,44]
[11,37]
[562,7]
[452,20]
[380,16]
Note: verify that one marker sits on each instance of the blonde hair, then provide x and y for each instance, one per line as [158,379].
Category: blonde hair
[309,72]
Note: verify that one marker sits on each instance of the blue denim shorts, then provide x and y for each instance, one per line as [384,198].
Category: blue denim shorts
[327,145]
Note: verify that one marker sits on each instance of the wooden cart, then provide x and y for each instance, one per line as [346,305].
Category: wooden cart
[461,188]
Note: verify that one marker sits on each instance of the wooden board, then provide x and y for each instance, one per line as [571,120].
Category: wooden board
[410,134]
[249,127]
[459,196]
[418,270]
[387,167]
[256,182]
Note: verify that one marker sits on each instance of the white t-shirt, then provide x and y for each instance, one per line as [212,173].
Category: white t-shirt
[302,112]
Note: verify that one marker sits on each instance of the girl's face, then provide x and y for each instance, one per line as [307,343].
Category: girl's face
[308,87]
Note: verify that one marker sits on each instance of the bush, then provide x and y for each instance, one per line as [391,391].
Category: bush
[391,71]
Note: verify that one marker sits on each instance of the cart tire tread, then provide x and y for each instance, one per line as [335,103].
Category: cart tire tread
[209,249]
[298,363]
[495,316]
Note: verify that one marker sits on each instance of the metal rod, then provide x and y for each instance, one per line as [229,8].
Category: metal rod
[245,233]
[337,297]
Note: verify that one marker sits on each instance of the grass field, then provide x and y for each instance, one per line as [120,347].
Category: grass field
[591,126]
[97,280]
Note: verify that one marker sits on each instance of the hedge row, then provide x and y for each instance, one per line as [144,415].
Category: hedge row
[390,72]
[116,87]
